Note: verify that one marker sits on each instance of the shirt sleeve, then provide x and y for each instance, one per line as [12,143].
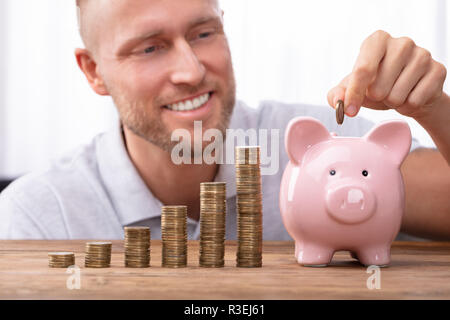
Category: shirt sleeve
[16,222]
[30,210]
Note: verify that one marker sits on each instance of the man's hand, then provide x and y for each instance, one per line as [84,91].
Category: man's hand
[391,73]
[396,74]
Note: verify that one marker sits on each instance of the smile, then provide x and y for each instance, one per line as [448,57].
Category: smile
[189,105]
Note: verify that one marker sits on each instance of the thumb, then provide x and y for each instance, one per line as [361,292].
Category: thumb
[334,95]
[338,92]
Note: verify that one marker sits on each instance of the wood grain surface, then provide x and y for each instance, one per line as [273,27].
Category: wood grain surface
[419,270]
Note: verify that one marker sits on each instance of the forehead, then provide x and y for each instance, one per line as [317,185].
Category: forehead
[134,11]
[121,20]
[142,14]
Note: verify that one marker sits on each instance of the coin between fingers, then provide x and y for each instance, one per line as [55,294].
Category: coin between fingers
[340,112]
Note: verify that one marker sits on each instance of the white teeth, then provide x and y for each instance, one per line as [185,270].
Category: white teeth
[190,104]
[197,103]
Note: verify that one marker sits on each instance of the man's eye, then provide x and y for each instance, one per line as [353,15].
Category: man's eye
[150,49]
[204,35]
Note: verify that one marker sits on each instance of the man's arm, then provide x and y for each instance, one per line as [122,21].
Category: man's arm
[426,174]
[394,73]
[437,123]
[15,221]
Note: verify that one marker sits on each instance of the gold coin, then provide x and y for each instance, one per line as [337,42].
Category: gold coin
[61,259]
[98,254]
[212,224]
[174,236]
[137,247]
[249,207]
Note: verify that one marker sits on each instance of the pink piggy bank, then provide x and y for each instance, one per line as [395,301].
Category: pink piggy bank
[343,193]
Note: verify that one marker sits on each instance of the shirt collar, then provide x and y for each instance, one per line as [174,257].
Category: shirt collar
[226,173]
[131,198]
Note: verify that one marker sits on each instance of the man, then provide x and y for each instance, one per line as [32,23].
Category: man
[166,64]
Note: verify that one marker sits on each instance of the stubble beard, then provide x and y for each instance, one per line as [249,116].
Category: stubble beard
[134,116]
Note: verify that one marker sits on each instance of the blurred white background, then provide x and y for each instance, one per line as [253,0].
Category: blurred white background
[286,50]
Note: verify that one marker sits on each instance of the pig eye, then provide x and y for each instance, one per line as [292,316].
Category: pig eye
[332,172]
[365,173]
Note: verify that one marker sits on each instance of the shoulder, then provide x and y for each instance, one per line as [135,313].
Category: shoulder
[24,208]
[34,205]
[243,116]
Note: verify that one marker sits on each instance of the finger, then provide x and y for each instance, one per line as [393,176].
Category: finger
[375,105]
[365,70]
[334,95]
[409,78]
[427,90]
[338,92]
[398,54]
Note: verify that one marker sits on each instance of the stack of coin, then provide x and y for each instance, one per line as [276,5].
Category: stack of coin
[61,259]
[137,247]
[249,206]
[98,255]
[212,224]
[174,236]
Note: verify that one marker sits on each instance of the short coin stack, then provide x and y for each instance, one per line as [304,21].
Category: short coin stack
[98,255]
[137,247]
[249,206]
[212,224]
[174,236]
[61,259]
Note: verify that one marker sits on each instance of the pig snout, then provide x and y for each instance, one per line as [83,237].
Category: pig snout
[350,204]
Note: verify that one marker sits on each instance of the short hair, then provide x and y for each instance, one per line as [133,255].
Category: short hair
[83,13]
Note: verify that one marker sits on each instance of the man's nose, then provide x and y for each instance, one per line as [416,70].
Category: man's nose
[187,68]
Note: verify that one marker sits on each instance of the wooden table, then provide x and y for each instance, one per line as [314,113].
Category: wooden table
[419,270]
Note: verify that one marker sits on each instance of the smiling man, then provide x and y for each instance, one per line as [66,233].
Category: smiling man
[166,64]
[162,76]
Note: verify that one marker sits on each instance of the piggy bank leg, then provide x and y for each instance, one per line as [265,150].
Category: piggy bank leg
[314,255]
[354,255]
[297,248]
[379,256]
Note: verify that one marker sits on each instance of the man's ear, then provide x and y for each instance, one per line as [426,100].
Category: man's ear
[89,67]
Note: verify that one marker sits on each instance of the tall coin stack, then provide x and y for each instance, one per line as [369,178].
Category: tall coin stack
[249,206]
[212,224]
[137,247]
[61,259]
[174,236]
[98,255]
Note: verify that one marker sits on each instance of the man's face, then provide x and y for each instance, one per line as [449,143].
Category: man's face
[153,54]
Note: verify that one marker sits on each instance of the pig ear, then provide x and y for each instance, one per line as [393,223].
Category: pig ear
[394,136]
[301,134]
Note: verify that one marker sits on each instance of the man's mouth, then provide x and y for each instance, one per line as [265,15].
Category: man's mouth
[189,105]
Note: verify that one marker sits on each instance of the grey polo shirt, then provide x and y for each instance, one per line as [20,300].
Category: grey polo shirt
[94,191]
